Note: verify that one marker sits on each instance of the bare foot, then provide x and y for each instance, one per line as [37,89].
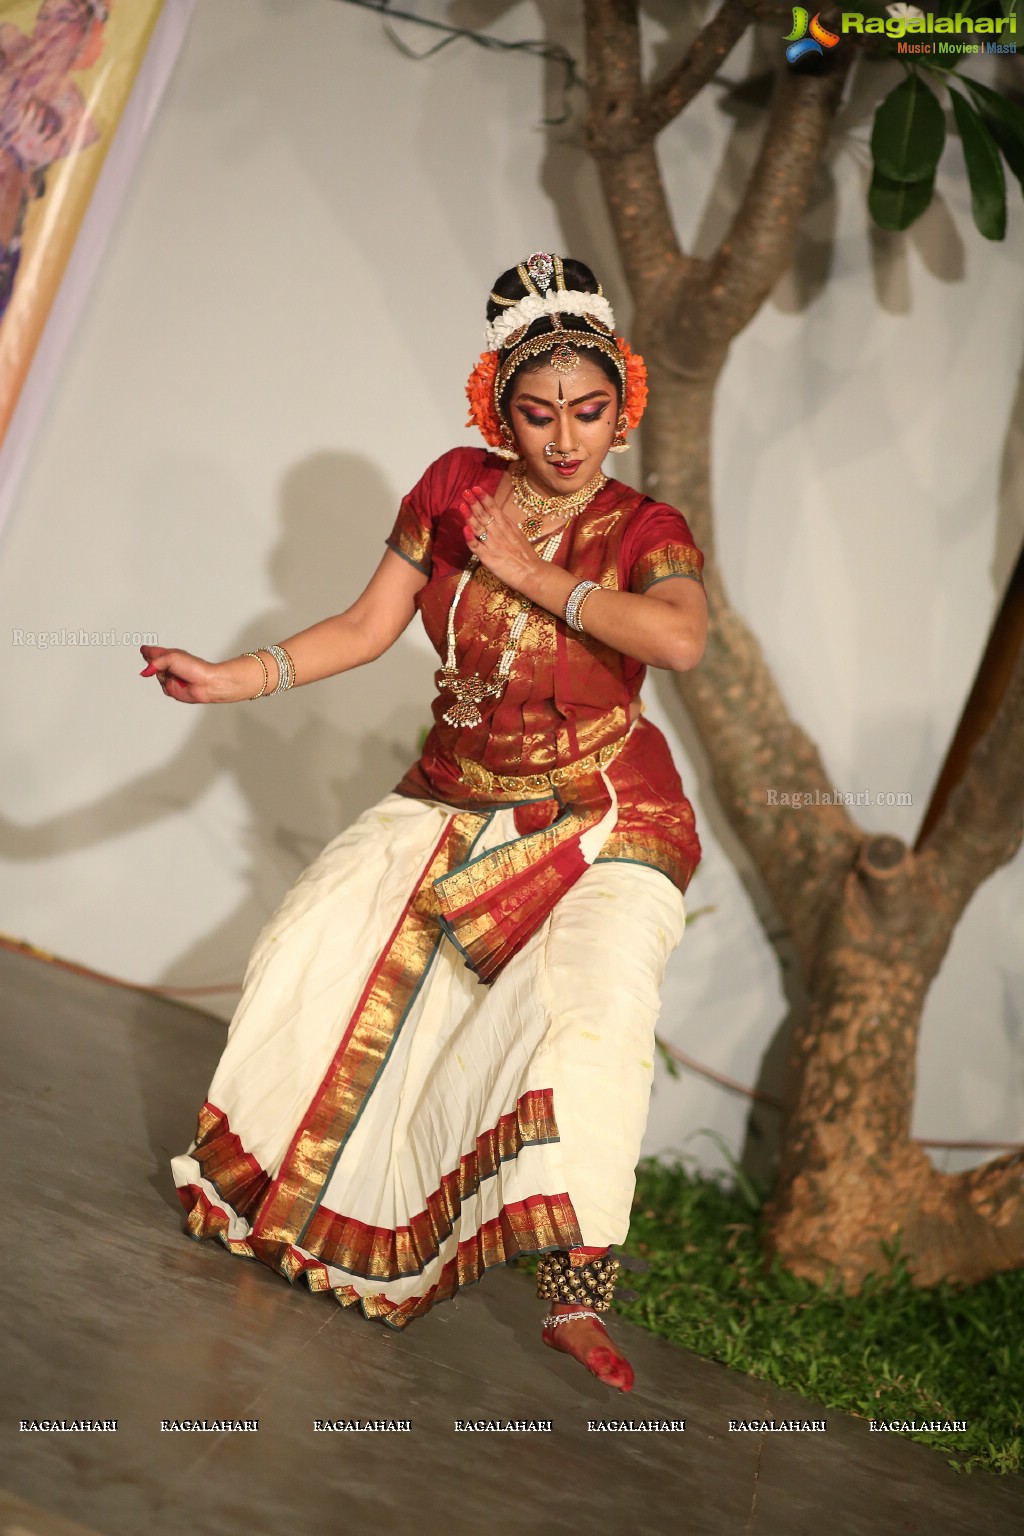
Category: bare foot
[587,1340]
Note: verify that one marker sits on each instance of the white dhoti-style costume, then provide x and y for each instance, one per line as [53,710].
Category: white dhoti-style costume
[386,1125]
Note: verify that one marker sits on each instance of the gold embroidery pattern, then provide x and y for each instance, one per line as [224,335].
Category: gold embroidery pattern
[532,1226]
[673,560]
[528,731]
[645,847]
[380,1253]
[413,542]
[492,907]
[295,1193]
[205,1220]
[234,1173]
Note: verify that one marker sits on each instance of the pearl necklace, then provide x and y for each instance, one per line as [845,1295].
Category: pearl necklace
[470,692]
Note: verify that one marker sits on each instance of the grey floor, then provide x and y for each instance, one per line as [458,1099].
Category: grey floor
[110,1312]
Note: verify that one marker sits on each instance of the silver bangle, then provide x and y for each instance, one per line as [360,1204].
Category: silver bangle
[574,603]
[286,675]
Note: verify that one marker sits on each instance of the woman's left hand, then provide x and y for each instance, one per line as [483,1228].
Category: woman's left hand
[496,539]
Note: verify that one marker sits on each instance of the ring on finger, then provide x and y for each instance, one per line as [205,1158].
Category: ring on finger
[481,538]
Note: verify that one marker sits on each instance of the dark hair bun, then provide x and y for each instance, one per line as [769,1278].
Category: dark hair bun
[511,286]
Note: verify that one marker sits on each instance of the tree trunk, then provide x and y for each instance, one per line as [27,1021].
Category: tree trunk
[870,919]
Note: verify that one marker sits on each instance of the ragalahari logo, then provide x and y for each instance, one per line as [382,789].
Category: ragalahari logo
[800,43]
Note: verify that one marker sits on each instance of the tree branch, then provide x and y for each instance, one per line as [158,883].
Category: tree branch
[623,147]
[760,757]
[994,1192]
[982,824]
[667,97]
[759,243]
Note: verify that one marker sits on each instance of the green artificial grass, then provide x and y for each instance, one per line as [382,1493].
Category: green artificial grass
[894,1351]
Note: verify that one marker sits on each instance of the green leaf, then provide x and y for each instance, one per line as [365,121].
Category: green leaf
[939,63]
[1004,121]
[999,106]
[1013,149]
[909,132]
[984,169]
[896,204]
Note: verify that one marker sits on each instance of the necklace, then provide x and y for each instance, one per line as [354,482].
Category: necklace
[470,692]
[538,507]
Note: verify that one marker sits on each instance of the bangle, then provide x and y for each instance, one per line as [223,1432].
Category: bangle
[579,605]
[266,676]
[285,667]
[574,603]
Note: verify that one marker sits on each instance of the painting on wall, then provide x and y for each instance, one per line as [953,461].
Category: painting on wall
[68,69]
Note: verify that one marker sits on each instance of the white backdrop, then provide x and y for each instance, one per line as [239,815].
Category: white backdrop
[276,347]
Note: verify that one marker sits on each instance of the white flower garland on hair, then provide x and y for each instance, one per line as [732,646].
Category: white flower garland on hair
[563,301]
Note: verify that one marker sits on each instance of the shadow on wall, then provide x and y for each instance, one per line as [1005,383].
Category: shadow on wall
[305,764]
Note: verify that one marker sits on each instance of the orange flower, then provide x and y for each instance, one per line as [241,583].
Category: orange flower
[480,394]
[636,383]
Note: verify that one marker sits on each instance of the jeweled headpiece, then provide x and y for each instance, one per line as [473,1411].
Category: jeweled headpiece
[508,345]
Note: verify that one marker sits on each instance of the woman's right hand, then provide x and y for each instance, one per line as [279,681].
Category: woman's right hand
[191,680]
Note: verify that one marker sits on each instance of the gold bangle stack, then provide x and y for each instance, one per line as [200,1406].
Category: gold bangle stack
[285,669]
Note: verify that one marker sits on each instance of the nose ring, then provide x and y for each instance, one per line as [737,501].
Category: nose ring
[550,450]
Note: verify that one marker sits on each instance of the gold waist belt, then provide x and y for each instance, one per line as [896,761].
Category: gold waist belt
[522,785]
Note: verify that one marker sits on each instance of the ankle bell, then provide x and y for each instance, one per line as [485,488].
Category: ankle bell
[571,1279]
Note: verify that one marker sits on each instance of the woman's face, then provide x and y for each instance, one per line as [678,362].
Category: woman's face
[576,412]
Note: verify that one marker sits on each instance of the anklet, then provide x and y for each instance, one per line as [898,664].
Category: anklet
[568,1317]
[560,1279]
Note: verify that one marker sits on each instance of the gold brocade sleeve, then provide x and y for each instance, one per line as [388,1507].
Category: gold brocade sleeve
[658,545]
[670,560]
[411,537]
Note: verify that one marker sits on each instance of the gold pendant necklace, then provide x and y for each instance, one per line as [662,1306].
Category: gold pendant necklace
[470,692]
[538,507]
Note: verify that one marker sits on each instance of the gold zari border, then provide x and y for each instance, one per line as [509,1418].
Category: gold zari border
[673,560]
[298,1188]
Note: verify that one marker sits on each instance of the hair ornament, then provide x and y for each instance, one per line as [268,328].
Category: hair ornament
[539,270]
[557,301]
[508,347]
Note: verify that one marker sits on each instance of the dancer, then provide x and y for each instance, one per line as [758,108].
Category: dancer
[443,1052]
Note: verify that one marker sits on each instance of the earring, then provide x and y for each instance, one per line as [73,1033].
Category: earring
[619,444]
[507,448]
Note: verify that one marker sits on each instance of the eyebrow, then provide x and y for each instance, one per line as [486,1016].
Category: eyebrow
[603,394]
